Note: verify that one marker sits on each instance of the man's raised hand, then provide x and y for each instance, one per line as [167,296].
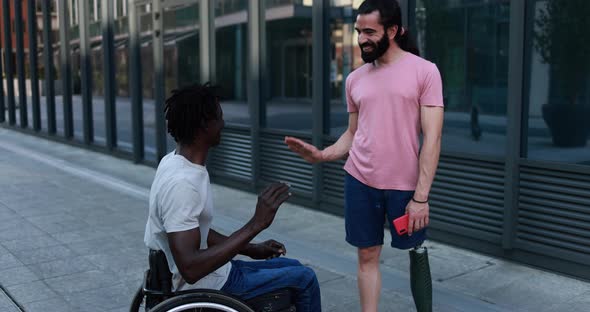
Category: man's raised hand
[307,151]
[268,204]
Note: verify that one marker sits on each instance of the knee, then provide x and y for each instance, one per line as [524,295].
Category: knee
[307,276]
[289,262]
[370,255]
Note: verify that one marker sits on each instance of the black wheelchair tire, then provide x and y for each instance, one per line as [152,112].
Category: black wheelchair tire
[202,297]
[137,300]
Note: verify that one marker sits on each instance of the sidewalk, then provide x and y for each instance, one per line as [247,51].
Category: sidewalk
[71,239]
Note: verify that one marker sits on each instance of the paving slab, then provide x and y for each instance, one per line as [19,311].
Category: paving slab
[31,292]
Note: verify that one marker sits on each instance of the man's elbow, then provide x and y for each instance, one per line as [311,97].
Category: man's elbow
[189,276]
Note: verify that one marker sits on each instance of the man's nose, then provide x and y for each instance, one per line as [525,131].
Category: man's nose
[362,39]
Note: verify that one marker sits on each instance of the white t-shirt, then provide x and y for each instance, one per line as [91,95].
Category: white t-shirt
[181,200]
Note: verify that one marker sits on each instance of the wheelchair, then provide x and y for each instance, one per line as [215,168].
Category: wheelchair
[155,295]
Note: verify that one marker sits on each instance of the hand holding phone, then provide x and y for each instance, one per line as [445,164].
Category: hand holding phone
[401,224]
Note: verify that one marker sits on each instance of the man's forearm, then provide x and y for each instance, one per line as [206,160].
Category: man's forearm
[202,262]
[216,238]
[429,156]
[339,149]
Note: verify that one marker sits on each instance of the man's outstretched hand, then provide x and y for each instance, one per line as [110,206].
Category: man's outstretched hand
[307,151]
[266,250]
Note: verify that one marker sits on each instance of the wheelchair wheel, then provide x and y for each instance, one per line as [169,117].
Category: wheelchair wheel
[138,303]
[202,302]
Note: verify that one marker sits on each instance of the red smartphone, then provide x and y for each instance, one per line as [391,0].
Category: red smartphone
[401,224]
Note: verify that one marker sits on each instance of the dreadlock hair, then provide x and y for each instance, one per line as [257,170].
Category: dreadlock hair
[189,109]
[391,14]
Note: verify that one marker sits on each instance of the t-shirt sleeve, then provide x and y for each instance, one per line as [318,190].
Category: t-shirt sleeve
[181,205]
[432,92]
[351,106]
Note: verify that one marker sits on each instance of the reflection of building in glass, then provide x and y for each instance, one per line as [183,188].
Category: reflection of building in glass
[513,177]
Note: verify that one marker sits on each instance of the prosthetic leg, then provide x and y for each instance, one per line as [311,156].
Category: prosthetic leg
[420,279]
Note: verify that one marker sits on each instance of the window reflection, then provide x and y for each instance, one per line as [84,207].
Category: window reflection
[288,87]
[468,41]
[344,58]
[181,49]
[557,71]
[76,74]
[231,50]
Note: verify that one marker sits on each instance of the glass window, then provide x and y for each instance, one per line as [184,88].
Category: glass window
[97,69]
[74,57]
[181,49]
[41,73]
[288,65]
[344,58]
[55,43]
[122,89]
[145,27]
[231,51]
[557,76]
[468,41]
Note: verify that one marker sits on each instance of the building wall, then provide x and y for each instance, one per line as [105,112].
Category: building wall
[513,176]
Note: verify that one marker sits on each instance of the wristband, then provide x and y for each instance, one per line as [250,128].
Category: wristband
[420,202]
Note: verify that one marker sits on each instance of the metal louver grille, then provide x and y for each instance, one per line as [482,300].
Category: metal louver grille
[468,195]
[278,163]
[554,213]
[333,186]
[333,180]
[233,157]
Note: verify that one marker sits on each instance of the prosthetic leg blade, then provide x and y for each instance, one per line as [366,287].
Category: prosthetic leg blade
[420,279]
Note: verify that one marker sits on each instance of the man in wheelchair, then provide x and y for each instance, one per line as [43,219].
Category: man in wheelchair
[181,212]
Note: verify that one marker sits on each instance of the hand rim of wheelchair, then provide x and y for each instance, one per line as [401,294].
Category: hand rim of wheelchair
[191,299]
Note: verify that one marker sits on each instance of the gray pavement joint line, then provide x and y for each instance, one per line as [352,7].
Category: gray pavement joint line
[337,264]
[12,301]
[466,272]
[97,177]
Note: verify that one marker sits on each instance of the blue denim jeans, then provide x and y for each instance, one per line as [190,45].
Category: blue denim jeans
[249,279]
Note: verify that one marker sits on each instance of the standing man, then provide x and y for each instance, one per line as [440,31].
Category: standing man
[181,214]
[392,99]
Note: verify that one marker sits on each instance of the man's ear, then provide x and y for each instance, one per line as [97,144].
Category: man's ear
[391,32]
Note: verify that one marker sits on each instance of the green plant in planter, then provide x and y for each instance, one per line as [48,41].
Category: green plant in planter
[562,38]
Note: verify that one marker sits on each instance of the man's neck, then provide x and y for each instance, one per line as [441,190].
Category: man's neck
[392,55]
[195,153]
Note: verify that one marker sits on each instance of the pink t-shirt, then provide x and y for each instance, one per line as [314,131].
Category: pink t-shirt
[385,148]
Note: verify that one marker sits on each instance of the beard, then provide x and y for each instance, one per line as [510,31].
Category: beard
[378,49]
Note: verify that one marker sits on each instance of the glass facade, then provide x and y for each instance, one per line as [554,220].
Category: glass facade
[97,69]
[75,59]
[122,87]
[344,58]
[231,52]
[557,83]
[468,41]
[181,49]
[145,27]
[40,66]
[287,91]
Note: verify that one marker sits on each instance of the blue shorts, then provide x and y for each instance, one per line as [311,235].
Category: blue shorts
[367,208]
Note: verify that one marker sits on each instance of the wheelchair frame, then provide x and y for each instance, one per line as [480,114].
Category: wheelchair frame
[160,300]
